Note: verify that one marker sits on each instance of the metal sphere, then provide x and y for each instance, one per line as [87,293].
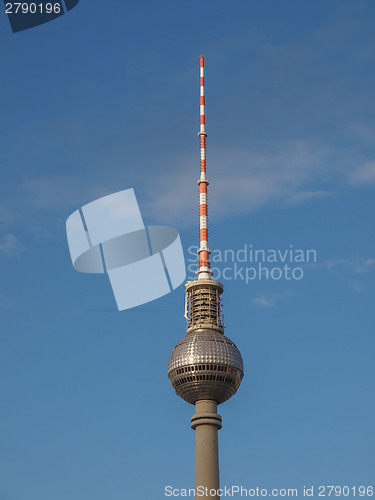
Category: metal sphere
[205,365]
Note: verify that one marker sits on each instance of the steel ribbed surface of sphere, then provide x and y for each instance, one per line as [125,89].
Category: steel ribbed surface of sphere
[205,365]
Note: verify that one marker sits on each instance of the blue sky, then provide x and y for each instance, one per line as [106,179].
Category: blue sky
[106,98]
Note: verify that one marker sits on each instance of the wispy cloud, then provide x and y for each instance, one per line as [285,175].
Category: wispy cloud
[291,122]
[302,196]
[56,192]
[358,265]
[352,271]
[270,300]
[9,244]
[6,215]
[364,174]
[244,180]
[263,301]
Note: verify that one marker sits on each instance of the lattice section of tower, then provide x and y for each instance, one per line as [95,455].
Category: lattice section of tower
[203,305]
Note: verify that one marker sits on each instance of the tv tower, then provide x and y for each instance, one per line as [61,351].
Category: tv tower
[205,367]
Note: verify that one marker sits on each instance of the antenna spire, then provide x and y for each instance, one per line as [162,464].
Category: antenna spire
[204,271]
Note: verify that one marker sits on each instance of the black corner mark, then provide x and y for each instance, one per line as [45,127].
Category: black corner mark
[69,4]
[25,15]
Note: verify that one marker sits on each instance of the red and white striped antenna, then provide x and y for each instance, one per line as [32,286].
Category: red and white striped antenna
[204,271]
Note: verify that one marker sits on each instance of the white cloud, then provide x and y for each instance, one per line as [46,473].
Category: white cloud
[302,196]
[293,124]
[357,265]
[55,192]
[263,301]
[271,300]
[364,174]
[9,244]
[242,180]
